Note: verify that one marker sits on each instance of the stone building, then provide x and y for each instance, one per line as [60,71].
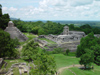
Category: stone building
[67,40]
[15,32]
[66,30]
[66,36]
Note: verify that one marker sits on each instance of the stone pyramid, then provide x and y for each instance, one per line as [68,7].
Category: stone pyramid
[15,32]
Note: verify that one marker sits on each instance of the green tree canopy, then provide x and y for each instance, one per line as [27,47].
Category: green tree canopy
[45,64]
[4,19]
[0,10]
[86,42]
[96,50]
[30,50]
[87,58]
[7,45]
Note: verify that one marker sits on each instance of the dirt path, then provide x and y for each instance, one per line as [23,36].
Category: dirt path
[67,67]
[20,48]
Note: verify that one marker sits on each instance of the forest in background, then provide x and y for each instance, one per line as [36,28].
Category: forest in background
[49,27]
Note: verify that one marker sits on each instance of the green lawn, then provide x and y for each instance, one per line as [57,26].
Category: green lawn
[24,74]
[49,41]
[16,71]
[77,71]
[71,54]
[67,72]
[63,61]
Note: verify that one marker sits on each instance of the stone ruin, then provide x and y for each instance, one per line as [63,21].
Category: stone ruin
[41,42]
[4,64]
[1,62]
[67,40]
[23,68]
[15,32]
[66,36]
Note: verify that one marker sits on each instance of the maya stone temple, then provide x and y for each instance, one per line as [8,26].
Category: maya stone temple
[15,32]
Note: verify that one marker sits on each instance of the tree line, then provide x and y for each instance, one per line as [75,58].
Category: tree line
[50,27]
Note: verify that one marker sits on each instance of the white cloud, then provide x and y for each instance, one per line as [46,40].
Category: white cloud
[80,2]
[53,9]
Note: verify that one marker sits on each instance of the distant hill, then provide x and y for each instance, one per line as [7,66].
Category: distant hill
[79,22]
[76,23]
[13,18]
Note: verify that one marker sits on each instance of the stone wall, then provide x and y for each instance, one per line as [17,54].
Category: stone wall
[77,32]
[72,46]
[51,37]
[42,42]
[51,47]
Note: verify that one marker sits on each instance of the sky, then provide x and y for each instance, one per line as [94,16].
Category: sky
[52,9]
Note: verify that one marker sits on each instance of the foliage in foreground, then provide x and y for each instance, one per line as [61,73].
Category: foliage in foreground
[7,45]
[67,51]
[44,63]
[87,59]
[88,45]
[30,50]
[57,50]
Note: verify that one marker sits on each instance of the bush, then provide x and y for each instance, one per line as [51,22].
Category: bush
[67,51]
[57,50]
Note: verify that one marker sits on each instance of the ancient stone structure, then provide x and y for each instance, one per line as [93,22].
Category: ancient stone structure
[15,32]
[67,40]
[42,42]
[1,62]
[66,30]
[97,35]
[23,68]
[67,36]
[72,46]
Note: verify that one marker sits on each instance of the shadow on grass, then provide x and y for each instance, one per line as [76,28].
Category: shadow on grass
[87,68]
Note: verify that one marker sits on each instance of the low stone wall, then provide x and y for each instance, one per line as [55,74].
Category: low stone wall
[72,46]
[20,66]
[43,42]
[3,72]
[51,47]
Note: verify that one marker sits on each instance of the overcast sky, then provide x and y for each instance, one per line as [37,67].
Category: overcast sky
[52,9]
